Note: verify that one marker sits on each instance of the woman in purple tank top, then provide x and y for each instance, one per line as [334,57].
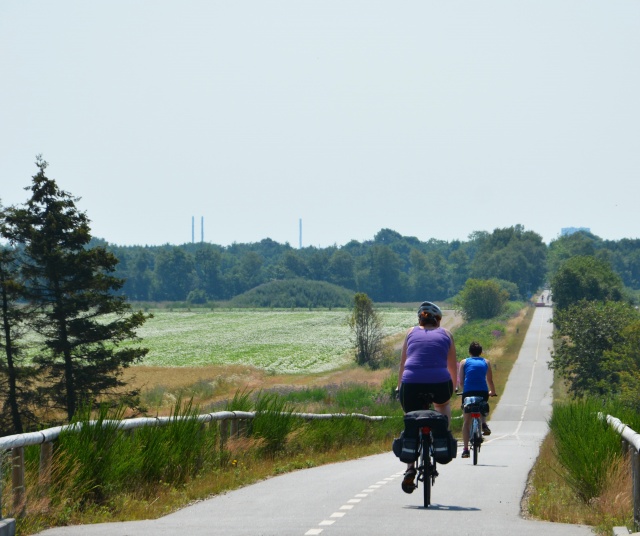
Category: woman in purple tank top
[428,365]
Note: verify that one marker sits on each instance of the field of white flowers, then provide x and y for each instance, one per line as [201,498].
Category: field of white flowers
[282,342]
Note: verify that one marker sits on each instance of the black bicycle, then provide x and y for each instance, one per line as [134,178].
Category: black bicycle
[426,469]
[477,407]
[473,405]
[430,449]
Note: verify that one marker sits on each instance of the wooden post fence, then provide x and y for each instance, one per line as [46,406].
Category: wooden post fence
[17,479]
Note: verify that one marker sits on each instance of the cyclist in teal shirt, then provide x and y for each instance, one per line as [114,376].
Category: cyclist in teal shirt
[476,379]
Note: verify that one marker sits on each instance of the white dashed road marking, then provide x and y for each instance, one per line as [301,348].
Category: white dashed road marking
[350,504]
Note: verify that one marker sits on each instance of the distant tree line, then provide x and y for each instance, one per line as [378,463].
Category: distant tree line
[389,268]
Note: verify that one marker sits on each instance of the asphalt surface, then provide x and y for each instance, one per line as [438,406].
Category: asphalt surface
[364,497]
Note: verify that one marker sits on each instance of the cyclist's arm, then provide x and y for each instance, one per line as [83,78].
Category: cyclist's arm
[492,389]
[461,377]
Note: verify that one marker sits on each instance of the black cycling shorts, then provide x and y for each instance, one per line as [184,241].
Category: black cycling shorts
[412,394]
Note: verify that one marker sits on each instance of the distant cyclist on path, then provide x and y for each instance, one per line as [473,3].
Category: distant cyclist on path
[476,379]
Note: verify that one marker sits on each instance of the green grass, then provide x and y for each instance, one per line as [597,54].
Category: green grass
[487,332]
[281,342]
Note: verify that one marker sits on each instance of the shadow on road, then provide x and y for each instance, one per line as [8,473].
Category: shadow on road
[443,507]
[489,465]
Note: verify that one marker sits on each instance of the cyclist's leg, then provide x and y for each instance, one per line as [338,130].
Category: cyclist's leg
[442,399]
[445,409]
[485,428]
[466,427]
[485,397]
[409,402]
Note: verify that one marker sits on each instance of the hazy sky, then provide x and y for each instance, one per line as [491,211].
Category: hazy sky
[431,118]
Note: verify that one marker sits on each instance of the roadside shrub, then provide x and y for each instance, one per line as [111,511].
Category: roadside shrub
[273,421]
[105,460]
[586,446]
[95,454]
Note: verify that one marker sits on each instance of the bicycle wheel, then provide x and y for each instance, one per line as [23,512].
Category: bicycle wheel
[476,438]
[425,461]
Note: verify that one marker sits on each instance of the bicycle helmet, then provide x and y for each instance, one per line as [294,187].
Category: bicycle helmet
[428,309]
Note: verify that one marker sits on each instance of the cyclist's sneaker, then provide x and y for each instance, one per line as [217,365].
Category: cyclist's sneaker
[485,429]
[408,484]
[465,453]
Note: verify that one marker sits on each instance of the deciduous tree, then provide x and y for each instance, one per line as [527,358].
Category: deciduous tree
[623,363]
[585,278]
[481,299]
[366,327]
[587,331]
[512,254]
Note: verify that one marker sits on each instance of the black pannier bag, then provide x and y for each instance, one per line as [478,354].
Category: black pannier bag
[406,449]
[445,446]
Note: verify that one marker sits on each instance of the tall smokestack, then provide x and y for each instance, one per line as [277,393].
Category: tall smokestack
[192,224]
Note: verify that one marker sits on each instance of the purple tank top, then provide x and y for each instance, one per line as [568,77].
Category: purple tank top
[426,361]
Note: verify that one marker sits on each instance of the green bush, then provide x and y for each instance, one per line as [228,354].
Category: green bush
[481,299]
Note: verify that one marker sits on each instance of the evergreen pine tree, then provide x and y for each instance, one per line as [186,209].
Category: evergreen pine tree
[81,317]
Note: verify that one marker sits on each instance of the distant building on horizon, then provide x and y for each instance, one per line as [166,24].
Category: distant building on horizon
[570,230]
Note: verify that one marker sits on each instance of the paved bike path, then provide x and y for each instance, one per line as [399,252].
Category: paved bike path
[363,497]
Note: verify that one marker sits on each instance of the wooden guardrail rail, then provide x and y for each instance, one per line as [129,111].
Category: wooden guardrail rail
[631,442]
[228,422]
